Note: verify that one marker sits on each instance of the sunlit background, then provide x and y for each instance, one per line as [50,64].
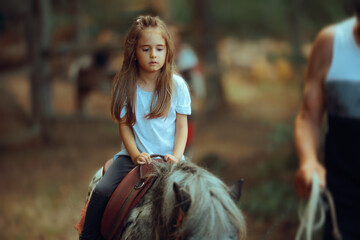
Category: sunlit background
[57,61]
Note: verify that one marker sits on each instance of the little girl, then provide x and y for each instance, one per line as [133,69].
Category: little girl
[151,105]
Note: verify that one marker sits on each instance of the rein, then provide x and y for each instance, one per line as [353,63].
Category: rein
[307,214]
[317,204]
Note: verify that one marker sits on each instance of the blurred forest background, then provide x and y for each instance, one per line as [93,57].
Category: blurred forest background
[57,60]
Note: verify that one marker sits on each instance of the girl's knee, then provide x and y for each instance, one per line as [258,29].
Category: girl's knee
[103,190]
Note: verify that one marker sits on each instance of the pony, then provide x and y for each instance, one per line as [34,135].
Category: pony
[186,202]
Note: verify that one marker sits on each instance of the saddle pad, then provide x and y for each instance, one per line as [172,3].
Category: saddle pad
[124,198]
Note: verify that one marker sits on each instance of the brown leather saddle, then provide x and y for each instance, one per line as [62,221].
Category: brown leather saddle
[125,197]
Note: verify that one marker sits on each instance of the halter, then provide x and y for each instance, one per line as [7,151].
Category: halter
[179,220]
[178,224]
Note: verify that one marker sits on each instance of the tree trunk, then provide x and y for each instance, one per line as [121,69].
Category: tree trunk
[206,46]
[37,21]
[295,39]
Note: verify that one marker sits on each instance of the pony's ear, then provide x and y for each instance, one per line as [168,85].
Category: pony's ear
[235,190]
[183,198]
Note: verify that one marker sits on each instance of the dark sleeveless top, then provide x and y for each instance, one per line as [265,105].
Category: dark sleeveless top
[342,103]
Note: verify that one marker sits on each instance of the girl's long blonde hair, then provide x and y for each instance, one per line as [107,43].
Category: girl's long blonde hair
[124,85]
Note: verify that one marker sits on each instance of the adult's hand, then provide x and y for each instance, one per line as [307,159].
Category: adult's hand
[303,178]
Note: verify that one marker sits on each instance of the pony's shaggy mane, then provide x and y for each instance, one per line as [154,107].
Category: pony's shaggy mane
[212,211]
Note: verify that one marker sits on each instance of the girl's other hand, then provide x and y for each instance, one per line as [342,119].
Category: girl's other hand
[170,158]
[143,158]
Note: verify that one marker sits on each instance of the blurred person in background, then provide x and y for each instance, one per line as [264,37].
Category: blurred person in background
[94,77]
[332,86]
[188,66]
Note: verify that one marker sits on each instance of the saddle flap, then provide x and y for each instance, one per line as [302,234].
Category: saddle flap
[124,198]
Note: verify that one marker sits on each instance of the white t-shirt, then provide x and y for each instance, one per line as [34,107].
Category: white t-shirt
[157,136]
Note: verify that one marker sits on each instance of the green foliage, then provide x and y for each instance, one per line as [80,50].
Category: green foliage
[109,14]
[274,196]
[280,135]
[250,18]
[181,12]
[269,199]
[259,18]
[317,14]
[246,18]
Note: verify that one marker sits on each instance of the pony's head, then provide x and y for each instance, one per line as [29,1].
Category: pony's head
[188,202]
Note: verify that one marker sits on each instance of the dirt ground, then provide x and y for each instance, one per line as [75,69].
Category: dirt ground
[43,186]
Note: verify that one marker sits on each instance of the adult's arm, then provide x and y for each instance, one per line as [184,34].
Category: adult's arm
[309,119]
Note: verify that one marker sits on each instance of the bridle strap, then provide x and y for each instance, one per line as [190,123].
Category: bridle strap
[180,219]
[178,224]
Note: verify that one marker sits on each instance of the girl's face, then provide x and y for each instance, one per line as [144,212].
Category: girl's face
[151,50]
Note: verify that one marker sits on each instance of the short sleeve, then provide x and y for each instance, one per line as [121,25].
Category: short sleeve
[123,112]
[183,99]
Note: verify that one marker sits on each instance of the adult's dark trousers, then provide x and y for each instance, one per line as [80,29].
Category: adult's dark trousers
[342,162]
[121,166]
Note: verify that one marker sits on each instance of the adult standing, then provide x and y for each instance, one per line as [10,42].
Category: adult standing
[332,86]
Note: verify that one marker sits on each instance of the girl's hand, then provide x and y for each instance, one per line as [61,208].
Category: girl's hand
[143,158]
[170,158]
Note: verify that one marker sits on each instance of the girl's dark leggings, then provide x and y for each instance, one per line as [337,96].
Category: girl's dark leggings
[121,166]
